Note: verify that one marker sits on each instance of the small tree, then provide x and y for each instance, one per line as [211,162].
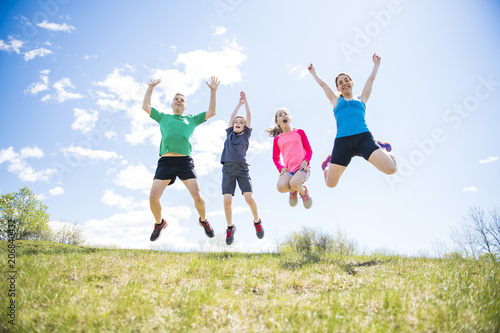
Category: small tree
[68,233]
[28,215]
[479,232]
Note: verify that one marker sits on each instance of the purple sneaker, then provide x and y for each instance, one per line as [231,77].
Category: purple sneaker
[325,162]
[385,145]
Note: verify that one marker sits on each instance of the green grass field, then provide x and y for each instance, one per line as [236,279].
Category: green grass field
[62,288]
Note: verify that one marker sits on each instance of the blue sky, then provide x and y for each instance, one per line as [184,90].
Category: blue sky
[73,131]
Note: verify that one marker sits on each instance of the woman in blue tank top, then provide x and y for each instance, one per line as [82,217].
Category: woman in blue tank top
[353,137]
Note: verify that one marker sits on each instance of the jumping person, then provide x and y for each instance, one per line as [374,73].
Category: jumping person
[353,137]
[235,168]
[175,153]
[292,144]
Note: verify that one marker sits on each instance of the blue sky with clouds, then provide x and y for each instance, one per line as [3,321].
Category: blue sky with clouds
[72,128]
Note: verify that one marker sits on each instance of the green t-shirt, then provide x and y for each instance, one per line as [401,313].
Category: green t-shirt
[176,131]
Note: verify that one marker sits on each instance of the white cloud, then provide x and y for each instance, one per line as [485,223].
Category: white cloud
[111,104]
[135,177]
[298,70]
[62,93]
[127,203]
[56,191]
[235,210]
[262,245]
[19,167]
[31,152]
[56,27]
[13,45]
[82,152]
[489,160]
[87,57]
[124,86]
[41,52]
[35,88]
[84,121]
[257,147]
[135,227]
[219,31]
[470,189]
[110,134]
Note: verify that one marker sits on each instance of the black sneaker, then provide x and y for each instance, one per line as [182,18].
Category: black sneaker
[157,230]
[206,226]
[258,229]
[230,235]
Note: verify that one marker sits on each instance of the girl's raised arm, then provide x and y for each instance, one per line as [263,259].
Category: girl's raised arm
[367,90]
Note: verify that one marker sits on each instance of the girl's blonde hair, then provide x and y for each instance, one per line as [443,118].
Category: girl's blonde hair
[276,130]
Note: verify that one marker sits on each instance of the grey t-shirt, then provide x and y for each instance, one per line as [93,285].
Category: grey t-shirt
[236,146]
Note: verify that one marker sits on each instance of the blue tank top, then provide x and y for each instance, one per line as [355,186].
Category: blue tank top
[350,117]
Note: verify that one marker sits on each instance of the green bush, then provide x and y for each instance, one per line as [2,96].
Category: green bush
[309,240]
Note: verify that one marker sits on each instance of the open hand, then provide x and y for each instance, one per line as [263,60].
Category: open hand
[214,83]
[154,82]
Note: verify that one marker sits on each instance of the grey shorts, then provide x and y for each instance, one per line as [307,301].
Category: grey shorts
[232,172]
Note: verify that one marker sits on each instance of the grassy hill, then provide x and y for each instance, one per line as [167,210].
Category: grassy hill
[62,288]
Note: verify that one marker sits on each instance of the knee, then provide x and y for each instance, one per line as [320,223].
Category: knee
[250,200]
[198,198]
[283,188]
[295,185]
[391,170]
[332,183]
[153,198]
[228,201]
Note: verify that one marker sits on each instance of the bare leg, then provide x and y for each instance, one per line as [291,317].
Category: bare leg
[332,174]
[194,188]
[284,183]
[252,204]
[157,189]
[296,182]
[383,161]
[228,200]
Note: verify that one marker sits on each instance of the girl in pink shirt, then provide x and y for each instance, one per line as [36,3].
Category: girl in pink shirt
[293,146]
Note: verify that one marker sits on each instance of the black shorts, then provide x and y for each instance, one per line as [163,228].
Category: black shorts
[346,147]
[232,172]
[170,167]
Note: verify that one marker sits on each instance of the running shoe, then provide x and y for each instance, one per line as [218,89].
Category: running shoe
[206,226]
[306,198]
[385,145]
[230,235]
[157,230]
[325,162]
[258,229]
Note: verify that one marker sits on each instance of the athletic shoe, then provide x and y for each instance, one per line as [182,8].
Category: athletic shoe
[385,145]
[258,229]
[293,199]
[230,235]
[157,230]
[206,226]
[306,198]
[325,162]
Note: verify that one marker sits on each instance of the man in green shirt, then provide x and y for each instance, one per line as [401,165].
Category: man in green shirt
[175,151]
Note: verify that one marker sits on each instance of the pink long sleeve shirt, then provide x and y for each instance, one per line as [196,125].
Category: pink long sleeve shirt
[294,147]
